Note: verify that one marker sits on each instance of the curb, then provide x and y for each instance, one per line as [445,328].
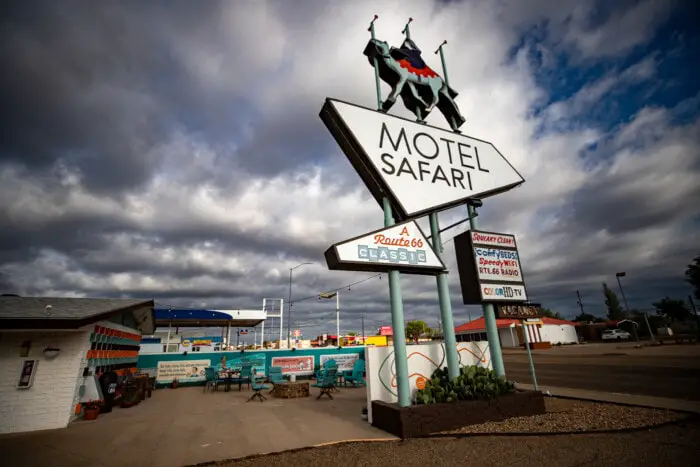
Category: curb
[691,418]
[360,440]
[614,402]
[289,451]
[692,413]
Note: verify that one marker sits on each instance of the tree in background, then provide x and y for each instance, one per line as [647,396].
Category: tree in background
[693,276]
[612,303]
[673,310]
[352,334]
[546,312]
[588,318]
[415,328]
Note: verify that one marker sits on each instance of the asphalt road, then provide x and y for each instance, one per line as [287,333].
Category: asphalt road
[674,377]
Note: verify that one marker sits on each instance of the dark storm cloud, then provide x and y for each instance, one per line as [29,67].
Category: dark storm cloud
[77,236]
[285,141]
[99,85]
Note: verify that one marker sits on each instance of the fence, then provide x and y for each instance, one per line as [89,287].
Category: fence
[188,368]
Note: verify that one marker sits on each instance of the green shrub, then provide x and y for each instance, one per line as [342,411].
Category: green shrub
[472,383]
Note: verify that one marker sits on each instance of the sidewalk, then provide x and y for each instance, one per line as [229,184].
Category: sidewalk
[186,426]
[618,398]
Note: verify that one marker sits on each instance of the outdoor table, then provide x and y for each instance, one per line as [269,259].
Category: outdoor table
[228,376]
[289,389]
[341,380]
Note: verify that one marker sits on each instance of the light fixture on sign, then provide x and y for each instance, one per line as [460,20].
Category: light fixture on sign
[51,352]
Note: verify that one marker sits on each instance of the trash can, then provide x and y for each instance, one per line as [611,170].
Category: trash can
[108,384]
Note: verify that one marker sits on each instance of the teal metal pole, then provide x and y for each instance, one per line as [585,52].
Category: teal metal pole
[453,124]
[442,59]
[376,69]
[448,327]
[397,324]
[529,355]
[490,318]
[407,32]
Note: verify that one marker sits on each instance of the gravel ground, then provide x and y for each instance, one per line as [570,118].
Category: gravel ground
[667,446]
[573,415]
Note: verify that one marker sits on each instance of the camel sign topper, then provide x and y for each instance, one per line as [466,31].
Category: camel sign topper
[418,167]
[420,88]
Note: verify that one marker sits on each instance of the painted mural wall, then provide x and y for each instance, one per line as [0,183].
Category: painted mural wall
[189,368]
[422,362]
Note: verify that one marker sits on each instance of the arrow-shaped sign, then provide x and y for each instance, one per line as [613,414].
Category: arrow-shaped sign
[402,247]
[420,167]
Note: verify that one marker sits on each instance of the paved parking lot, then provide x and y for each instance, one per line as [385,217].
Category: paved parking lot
[184,426]
[667,371]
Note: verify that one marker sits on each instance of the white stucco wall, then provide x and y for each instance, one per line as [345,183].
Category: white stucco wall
[508,339]
[50,402]
[559,334]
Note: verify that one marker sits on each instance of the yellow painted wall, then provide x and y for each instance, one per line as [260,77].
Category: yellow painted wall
[376,340]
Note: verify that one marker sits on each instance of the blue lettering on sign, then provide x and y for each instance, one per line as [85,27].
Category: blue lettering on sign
[391,255]
[498,254]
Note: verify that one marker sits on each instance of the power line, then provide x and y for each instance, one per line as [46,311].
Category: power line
[347,286]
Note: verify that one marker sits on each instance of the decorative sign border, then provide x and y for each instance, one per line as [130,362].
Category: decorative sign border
[519,311]
[352,148]
[472,293]
[335,264]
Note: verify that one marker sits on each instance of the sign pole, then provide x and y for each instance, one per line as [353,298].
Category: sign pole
[337,316]
[453,123]
[489,317]
[448,327]
[400,358]
[443,289]
[529,355]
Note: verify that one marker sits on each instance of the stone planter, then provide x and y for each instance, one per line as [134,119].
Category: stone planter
[421,420]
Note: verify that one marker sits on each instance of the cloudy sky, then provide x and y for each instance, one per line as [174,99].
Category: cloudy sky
[173,150]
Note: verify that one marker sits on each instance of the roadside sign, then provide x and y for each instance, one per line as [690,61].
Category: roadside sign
[489,268]
[421,168]
[520,311]
[402,247]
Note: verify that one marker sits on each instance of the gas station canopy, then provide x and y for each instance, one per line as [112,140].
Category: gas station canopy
[236,318]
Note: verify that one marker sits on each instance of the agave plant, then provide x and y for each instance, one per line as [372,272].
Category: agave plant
[473,383]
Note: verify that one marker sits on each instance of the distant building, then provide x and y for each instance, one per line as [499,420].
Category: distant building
[54,351]
[510,332]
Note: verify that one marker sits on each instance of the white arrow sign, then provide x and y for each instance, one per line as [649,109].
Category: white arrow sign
[402,247]
[420,167]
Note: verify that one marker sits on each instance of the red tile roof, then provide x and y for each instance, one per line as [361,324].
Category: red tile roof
[479,324]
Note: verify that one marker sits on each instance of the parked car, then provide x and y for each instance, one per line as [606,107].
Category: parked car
[615,334]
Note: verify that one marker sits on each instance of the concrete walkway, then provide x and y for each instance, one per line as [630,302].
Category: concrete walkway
[185,426]
[618,398]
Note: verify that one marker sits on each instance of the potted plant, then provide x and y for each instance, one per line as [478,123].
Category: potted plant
[91,409]
[175,384]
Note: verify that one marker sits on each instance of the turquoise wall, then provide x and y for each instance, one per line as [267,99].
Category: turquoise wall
[261,359]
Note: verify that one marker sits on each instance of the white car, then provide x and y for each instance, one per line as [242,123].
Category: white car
[616,334]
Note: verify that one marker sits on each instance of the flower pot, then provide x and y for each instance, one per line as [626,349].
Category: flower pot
[90,413]
[174,384]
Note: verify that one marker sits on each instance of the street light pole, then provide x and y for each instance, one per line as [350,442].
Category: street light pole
[646,320]
[622,292]
[329,295]
[289,318]
[337,317]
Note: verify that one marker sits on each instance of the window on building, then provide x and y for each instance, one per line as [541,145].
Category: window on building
[170,347]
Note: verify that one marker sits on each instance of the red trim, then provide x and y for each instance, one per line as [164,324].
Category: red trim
[425,72]
[480,325]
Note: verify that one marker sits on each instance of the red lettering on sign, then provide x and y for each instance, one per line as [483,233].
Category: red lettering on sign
[405,232]
[381,239]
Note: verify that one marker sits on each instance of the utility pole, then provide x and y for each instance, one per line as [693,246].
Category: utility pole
[692,306]
[363,328]
[580,302]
